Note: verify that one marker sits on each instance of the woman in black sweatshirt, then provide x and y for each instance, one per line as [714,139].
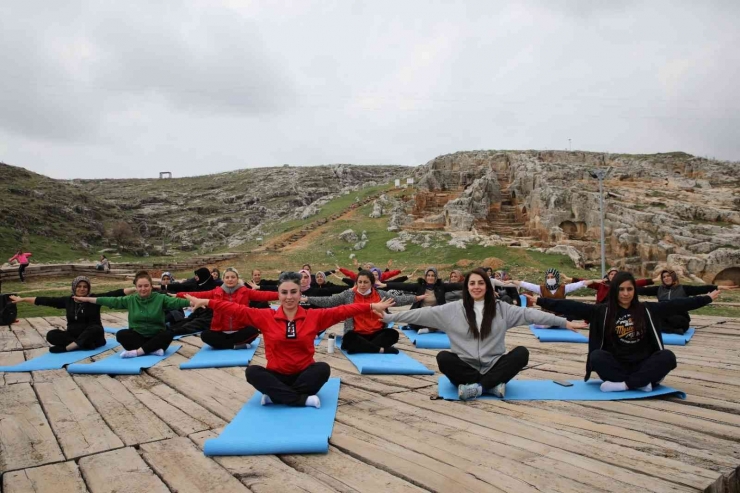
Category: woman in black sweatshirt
[84,327]
[625,346]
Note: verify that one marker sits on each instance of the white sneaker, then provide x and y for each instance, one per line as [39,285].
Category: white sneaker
[468,391]
[422,331]
[499,390]
[266,401]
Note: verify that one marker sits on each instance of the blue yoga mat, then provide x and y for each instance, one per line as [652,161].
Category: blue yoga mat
[433,340]
[319,338]
[278,429]
[115,365]
[208,357]
[52,361]
[558,334]
[385,364]
[547,390]
[678,339]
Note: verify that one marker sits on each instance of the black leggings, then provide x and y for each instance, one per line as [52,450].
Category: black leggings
[21,268]
[197,321]
[90,337]
[506,368]
[651,370]
[220,340]
[131,339]
[291,390]
[354,342]
[678,323]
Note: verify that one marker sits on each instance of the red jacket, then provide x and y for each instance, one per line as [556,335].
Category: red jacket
[384,276]
[602,290]
[242,296]
[367,323]
[285,354]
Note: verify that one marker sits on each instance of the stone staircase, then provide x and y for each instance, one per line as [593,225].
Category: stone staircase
[504,219]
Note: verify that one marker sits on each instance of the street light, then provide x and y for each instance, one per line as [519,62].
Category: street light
[601,174]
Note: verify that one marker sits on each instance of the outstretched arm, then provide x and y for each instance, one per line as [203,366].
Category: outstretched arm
[329,301]
[682,304]
[435,317]
[574,310]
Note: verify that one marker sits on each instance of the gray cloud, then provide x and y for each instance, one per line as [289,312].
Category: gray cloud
[132,88]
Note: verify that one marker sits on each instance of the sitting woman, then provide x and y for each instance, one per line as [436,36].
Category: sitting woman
[146,333]
[625,347]
[291,377]
[677,321]
[552,287]
[431,291]
[84,327]
[365,333]
[103,264]
[216,275]
[225,332]
[476,326]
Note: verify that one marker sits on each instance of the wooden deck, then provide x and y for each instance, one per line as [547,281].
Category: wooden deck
[64,433]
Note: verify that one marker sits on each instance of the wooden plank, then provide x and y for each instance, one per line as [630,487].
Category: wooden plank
[220,392]
[63,477]
[133,422]
[8,340]
[27,335]
[26,439]
[10,358]
[77,425]
[180,413]
[42,326]
[513,429]
[185,469]
[264,473]
[118,471]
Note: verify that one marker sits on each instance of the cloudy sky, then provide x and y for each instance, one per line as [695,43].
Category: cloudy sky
[128,89]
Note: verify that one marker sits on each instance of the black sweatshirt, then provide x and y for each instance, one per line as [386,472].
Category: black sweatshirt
[597,314]
[79,315]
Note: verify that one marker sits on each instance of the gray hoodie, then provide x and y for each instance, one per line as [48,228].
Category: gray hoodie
[481,354]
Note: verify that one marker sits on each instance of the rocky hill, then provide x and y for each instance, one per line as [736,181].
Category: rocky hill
[32,204]
[659,208]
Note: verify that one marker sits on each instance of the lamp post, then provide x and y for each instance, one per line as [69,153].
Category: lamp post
[600,174]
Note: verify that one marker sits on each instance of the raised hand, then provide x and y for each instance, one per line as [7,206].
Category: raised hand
[389,264]
[714,294]
[382,306]
[253,285]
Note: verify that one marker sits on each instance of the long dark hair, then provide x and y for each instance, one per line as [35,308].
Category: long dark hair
[489,307]
[637,311]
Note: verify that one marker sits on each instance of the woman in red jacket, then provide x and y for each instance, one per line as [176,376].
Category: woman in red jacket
[291,377]
[225,331]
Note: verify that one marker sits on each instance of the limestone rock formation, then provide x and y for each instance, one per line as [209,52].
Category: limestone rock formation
[655,205]
[349,236]
[571,252]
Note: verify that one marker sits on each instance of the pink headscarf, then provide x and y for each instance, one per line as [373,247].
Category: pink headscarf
[305,288]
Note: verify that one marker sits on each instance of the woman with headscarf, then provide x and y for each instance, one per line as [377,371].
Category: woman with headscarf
[146,333]
[216,275]
[431,287]
[291,376]
[504,291]
[625,346]
[477,362]
[84,327]
[365,333]
[198,320]
[677,321]
[381,276]
[552,288]
[225,332]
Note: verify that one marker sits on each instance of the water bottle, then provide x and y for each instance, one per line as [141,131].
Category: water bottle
[330,344]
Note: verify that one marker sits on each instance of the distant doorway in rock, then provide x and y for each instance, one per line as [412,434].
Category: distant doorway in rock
[574,230]
[731,275]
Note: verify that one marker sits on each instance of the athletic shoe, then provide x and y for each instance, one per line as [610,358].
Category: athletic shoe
[499,390]
[468,391]
[422,331]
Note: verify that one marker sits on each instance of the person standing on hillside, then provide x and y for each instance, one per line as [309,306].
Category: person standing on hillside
[22,259]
